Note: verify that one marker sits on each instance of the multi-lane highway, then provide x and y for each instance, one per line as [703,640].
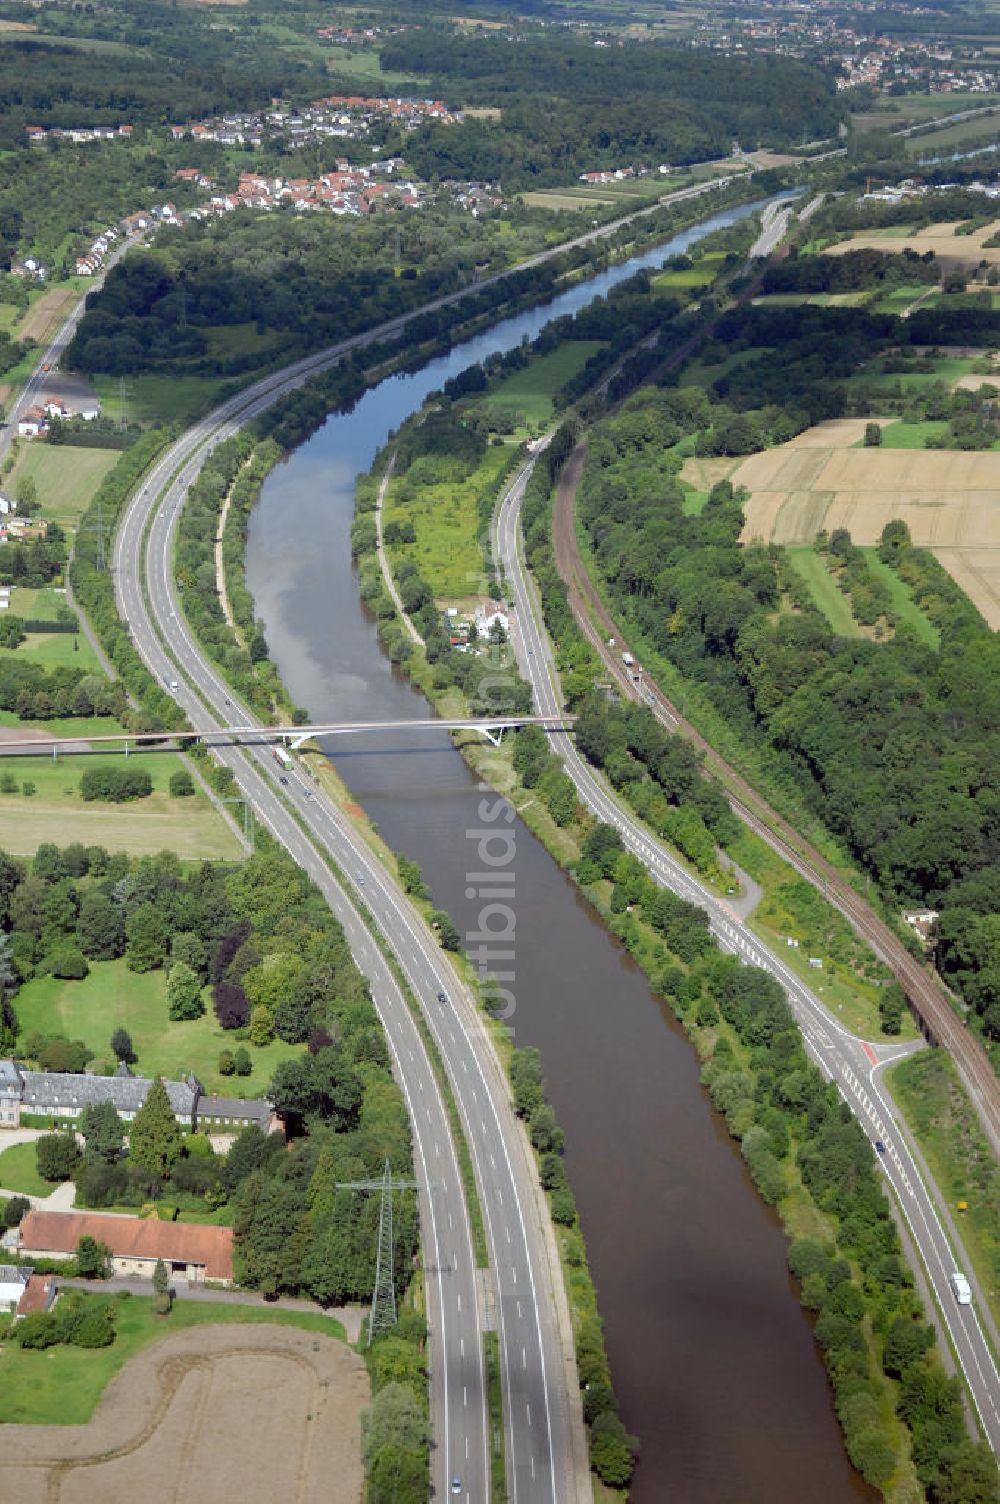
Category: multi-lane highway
[521,1293]
[851,1062]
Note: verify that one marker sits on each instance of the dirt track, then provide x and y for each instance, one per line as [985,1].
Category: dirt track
[250,1413]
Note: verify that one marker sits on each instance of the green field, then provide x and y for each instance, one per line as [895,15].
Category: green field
[159,399]
[901,298]
[75,726]
[824,590]
[55,650]
[981,131]
[112,996]
[902,435]
[61,1386]
[67,478]
[529,392]
[56,811]
[702,274]
[903,604]
[18,1172]
[945,1124]
[445,519]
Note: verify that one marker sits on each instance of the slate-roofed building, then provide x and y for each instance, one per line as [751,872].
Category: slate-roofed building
[64,1094]
[61,1094]
[221,1114]
[13,1283]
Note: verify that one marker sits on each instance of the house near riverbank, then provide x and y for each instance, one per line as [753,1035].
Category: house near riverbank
[190,1251]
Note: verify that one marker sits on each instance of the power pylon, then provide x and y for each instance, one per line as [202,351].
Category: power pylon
[383,1312]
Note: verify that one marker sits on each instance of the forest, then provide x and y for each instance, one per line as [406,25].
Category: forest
[569,107]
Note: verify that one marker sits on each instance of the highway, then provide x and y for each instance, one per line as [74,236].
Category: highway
[522,1296]
[851,1062]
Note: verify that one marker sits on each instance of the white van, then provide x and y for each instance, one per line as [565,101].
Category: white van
[962,1289]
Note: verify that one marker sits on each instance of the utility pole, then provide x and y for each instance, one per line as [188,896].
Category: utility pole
[383,1312]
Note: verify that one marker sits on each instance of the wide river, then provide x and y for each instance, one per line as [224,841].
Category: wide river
[713,1359]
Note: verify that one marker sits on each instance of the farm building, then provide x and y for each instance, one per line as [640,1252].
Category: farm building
[190,1252]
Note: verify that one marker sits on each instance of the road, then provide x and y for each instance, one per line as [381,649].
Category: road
[53,354]
[546,1451]
[852,1063]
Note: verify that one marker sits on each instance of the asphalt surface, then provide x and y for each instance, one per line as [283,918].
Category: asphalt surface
[852,1063]
[545,1456]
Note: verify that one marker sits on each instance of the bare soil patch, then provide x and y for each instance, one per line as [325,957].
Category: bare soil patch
[251,1413]
[44,316]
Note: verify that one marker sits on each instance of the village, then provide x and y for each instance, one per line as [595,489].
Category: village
[346,116]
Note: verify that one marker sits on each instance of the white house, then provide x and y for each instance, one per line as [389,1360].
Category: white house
[487,616]
[13,1283]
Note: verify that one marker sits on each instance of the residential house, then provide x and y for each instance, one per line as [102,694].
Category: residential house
[39,1294]
[33,424]
[487,617]
[191,1252]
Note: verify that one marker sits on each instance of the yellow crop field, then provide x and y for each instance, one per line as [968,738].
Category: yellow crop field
[955,250]
[950,500]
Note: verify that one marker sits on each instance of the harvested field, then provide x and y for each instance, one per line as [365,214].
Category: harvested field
[44,316]
[950,500]
[250,1412]
[951,250]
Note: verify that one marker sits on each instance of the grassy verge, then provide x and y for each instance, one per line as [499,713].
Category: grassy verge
[944,1124]
[851,977]
[62,1385]
[494,1401]
[18,1172]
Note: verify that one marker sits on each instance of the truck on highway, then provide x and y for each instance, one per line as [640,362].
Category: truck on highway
[281,757]
[962,1289]
[628,660]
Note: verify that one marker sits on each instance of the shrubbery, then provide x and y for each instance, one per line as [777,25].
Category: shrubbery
[115,784]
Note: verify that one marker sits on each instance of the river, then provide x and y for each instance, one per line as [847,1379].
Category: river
[713,1359]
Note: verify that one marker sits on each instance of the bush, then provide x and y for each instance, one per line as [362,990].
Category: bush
[69,963]
[181,784]
[57,1156]
[227,1064]
[14,1210]
[39,1329]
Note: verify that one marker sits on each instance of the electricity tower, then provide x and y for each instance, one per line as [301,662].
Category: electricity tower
[383,1312]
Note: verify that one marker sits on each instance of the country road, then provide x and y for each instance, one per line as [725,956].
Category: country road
[852,1063]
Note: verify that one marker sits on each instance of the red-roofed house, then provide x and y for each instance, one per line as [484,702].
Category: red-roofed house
[189,1251]
[39,1293]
